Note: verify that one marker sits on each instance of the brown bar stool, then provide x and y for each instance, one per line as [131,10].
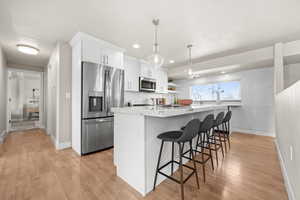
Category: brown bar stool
[180,137]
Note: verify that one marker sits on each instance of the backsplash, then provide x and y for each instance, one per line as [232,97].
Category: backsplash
[144,97]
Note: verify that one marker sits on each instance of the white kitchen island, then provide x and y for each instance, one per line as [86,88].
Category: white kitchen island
[136,146]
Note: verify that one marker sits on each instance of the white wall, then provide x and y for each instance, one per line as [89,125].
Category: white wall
[291,74]
[287,136]
[256,114]
[3,91]
[58,93]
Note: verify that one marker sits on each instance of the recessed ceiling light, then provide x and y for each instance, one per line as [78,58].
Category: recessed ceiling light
[222,72]
[136,46]
[171,61]
[27,49]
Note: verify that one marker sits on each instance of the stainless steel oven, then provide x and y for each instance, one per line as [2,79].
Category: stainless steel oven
[147,84]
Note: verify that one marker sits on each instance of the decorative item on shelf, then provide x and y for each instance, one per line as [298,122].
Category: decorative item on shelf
[156,59]
[185,102]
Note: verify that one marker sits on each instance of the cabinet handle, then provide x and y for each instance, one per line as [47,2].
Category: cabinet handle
[106,59]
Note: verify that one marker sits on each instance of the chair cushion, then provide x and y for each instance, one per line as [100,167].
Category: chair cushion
[170,135]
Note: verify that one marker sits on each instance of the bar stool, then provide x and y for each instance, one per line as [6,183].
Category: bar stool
[215,142]
[225,132]
[179,137]
[204,130]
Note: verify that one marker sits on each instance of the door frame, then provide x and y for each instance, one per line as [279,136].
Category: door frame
[42,99]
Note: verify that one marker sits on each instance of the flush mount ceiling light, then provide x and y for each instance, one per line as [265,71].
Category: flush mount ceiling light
[136,46]
[155,59]
[171,61]
[27,49]
[223,72]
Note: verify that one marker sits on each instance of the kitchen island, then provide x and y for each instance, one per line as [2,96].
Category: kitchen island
[136,147]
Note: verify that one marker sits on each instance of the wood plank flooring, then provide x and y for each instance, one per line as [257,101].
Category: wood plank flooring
[31,168]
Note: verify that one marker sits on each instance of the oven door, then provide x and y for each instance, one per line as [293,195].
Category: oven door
[147,85]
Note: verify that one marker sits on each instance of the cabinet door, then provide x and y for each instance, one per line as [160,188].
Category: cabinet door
[113,58]
[147,70]
[91,51]
[161,81]
[132,72]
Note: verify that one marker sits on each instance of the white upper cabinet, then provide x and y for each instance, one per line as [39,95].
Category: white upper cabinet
[112,58]
[99,51]
[91,51]
[132,73]
[147,70]
[161,81]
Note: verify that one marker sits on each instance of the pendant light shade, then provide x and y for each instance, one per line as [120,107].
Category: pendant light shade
[155,59]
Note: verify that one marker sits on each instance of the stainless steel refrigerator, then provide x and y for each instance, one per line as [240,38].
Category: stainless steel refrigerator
[102,89]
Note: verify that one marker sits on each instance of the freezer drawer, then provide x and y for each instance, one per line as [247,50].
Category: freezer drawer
[97,134]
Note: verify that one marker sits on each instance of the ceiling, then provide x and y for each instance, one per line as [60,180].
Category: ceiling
[214,27]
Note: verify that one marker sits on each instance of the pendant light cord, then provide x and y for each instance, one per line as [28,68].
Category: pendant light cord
[155,22]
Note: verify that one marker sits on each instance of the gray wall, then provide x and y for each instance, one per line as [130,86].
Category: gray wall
[287,136]
[256,115]
[3,91]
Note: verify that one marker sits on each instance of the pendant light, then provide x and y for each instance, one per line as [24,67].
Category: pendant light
[155,59]
[190,72]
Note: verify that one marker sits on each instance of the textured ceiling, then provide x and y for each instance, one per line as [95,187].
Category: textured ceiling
[215,27]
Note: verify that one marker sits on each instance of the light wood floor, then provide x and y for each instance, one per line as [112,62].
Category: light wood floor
[30,168]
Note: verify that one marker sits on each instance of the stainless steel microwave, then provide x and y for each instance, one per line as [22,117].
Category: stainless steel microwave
[147,84]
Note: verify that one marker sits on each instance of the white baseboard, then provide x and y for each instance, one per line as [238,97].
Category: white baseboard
[3,134]
[255,132]
[63,145]
[287,182]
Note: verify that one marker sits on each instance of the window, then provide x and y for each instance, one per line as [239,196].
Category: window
[224,91]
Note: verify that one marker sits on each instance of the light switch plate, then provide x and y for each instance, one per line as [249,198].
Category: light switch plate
[68,95]
[291,152]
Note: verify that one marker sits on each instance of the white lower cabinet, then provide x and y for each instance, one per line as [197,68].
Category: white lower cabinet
[132,73]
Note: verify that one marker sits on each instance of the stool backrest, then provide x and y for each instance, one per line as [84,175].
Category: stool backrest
[227,116]
[219,119]
[190,131]
[207,123]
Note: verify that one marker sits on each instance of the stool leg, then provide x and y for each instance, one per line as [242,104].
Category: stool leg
[172,164]
[203,165]
[158,162]
[181,171]
[221,143]
[193,157]
[228,135]
[224,137]
[216,150]
[210,154]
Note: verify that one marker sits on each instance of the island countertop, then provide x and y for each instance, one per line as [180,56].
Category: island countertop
[160,111]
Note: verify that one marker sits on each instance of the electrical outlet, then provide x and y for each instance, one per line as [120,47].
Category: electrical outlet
[291,152]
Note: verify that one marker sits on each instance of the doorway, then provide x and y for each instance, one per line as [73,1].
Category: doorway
[25,100]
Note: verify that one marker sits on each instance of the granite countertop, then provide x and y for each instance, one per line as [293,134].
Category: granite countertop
[160,111]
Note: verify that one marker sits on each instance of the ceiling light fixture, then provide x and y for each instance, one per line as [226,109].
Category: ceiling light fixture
[27,49]
[223,72]
[155,59]
[136,46]
[171,61]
